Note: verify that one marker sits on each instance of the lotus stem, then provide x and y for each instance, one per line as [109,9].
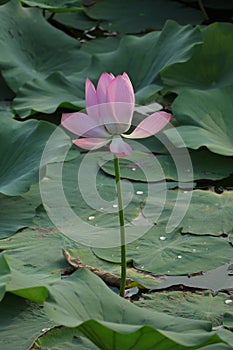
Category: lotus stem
[122,225]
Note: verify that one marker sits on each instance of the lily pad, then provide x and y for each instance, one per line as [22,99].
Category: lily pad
[21,322]
[47,95]
[59,6]
[202,71]
[39,247]
[129,57]
[206,165]
[85,208]
[116,321]
[136,16]
[16,213]
[77,20]
[216,208]
[175,43]
[172,254]
[63,338]
[204,119]
[199,305]
[25,55]
[101,45]
[21,148]
[228,319]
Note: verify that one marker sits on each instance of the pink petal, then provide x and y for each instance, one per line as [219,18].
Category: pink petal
[121,90]
[91,100]
[120,96]
[83,125]
[91,143]
[119,147]
[102,86]
[150,125]
[90,93]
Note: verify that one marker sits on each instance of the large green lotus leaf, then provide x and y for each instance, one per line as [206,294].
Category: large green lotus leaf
[205,69]
[109,321]
[21,148]
[82,201]
[47,95]
[216,208]
[58,6]
[173,44]
[40,246]
[35,258]
[141,166]
[228,319]
[226,336]
[77,20]
[172,254]
[84,283]
[33,195]
[29,47]
[205,120]
[16,213]
[21,322]
[27,281]
[107,336]
[135,16]
[199,305]
[5,275]
[101,45]
[63,338]
[39,251]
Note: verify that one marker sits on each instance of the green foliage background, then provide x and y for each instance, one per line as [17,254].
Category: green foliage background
[180,58]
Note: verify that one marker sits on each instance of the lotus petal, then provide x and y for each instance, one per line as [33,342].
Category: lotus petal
[91,143]
[83,125]
[119,147]
[150,125]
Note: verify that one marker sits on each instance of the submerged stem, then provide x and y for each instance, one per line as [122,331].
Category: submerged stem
[122,225]
[202,8]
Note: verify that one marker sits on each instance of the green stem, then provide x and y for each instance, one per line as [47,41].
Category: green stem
[122,225]
[200,3]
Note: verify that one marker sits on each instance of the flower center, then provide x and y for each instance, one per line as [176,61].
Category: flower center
[116,128]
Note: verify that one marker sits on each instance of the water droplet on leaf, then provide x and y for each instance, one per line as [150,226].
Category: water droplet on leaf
[139,192]
[162,238]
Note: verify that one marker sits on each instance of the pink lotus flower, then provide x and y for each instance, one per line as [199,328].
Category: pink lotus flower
[109,115]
